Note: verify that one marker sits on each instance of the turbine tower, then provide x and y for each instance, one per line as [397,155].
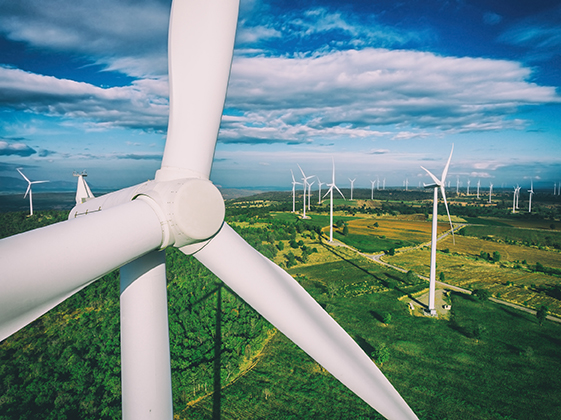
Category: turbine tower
[330,192]
[294,183]
[478,185]
[384,184]
[29,190]
[531,191]
[457,185]
[83,192]
[372,190]
[181,208]
[305,186]
[490,192]
[310,194]
[468,183]
[319,189]
[352,187]
[514,200]
[438,184]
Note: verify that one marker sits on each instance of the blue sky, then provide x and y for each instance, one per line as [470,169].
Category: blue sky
[382,87]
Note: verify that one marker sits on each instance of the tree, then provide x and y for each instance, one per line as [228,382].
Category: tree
[411,277]
[345,229]
[381,354]
[387,318]
[541,314]
[481,294]
[391,251]
[496,256]
[442,276]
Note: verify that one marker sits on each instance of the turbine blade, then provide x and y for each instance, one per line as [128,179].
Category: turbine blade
[201,44]
[445,171]
[21,173]
[43,267]
[303,174]
[284,303]
[339,192]
[435,179]
[28,189]
[328,191]
[447,212]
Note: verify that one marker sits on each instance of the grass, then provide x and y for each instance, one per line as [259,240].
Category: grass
[533,237]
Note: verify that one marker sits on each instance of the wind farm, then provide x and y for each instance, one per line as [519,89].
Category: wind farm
[164,284]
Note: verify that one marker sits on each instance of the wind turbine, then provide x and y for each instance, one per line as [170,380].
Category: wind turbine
[468,183]
[478,185]
[294,183]
[330,192]
[457,185]
[372,190]
[352,187]
[384,184]
[517,195]
[310,194]
[181,208]
[29,190]
[531,191]
[490,192]
[319,189]
[83,192]
[438,184]
[305,186]
[514,200]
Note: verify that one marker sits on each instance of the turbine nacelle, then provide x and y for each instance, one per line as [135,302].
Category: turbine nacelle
[191,210]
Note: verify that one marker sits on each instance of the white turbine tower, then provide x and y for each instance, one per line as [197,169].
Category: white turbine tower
[378,183]
[352,187]
[384,184]
[517,195]
[468,183]
[310,194]
[490,192]
[478,185]
[457,185]
[305,189]
[181,208]
[438,184]
[531,191]
[294,183]
[514,200]
[319,189]
[30,190]
[83,192]
[330,192]
[372,190]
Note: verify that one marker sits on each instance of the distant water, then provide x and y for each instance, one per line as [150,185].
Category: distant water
[41,201]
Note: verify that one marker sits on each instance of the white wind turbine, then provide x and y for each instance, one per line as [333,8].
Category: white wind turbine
[468,183]
[294,183]
[490,192]
[438,184]
[478,185]
[372,190]
[352,187]
[330,192]
[83,192]
[517,195]
[310,194]
[29,190]
[531,191]
[514,200]
[319,189]
[384,184]
[181,208]
[457,185]
[305,189]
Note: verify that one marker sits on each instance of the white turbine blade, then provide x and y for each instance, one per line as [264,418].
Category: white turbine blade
[21,173]
[145,358]
[293,180]
[303,174]
[435,179]
[328,191]
[335,186]
[43,267]
[284,303]
[201,44]
[445,171]
[38,182]
[448,213]
[28,189]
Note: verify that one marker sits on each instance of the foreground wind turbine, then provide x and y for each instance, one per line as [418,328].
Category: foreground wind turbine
[330,192]
[29,190]
[294,183]
[438,184]
[531,191]
[181,208]
[352,187]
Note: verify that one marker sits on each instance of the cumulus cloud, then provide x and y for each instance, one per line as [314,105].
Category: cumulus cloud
[18,149]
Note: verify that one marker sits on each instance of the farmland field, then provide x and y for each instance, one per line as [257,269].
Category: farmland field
[531,237]
[473,274]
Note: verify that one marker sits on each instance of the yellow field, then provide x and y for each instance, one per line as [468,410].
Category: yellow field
[405,230]
[463,272]
[473,246]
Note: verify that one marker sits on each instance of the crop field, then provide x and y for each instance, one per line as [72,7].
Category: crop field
[533,237]
[473,274]
[472,247]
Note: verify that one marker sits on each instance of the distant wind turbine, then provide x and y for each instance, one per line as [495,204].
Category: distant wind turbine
[468,183]
[352,187]
[29,190]
[438,184]
[330,192]
[514,200]
[310,194]
[294,183]
[319,190]
[384,184]
[554,188]
[478,185]
[531,191]
[372,190]
[490,192]
[517,195]
[457,185]
[305,185]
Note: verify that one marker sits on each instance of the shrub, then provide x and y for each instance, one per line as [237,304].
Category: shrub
[381,354]
[481,294]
